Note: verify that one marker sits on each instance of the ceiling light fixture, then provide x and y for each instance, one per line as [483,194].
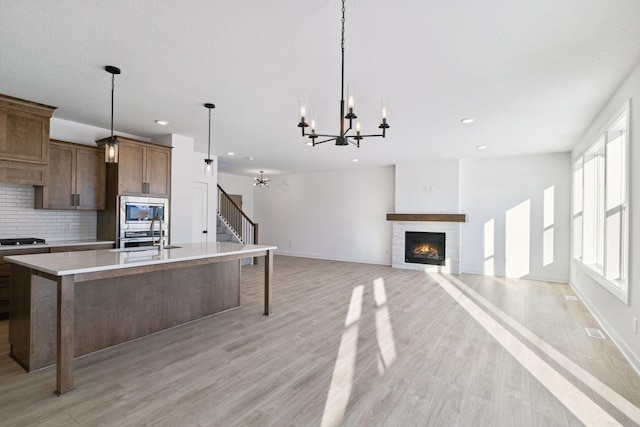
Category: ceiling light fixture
[261,182]
[208,162]
[231,153]
[467,120]
[111,147]
[481,147]
[343,138]
[162,122]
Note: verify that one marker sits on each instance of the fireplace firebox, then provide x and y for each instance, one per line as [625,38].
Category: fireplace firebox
[424,247]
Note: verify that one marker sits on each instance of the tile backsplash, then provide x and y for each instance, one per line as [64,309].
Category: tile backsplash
[18,218]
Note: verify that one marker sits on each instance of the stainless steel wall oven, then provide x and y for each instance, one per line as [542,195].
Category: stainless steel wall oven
[136,217]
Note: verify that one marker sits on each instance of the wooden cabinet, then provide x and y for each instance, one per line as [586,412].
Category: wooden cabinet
[5,267]
[143,169]
[5,274]
[77,178]
[24,140]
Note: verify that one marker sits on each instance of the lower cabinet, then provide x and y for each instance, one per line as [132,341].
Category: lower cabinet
[5,267]
[5,274]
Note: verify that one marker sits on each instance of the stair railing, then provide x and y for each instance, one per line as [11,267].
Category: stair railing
[246,229]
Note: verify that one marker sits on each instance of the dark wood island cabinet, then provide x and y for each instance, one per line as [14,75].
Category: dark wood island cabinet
[68,304]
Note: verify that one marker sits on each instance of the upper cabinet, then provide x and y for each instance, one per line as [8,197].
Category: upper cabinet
[143,169]
[24,140]
[77,178]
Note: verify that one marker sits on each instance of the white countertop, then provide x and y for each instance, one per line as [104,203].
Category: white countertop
[65,263]
[55,244]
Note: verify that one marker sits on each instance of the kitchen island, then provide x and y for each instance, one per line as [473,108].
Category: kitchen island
[72,303]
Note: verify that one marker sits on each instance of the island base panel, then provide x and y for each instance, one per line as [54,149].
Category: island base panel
[115,310]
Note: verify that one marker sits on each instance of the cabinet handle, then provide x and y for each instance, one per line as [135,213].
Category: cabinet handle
[204,231]
[77,200]
[73,200]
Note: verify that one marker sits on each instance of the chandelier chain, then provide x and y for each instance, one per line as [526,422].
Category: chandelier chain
[342,25]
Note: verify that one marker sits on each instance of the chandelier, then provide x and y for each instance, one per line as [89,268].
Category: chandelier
[261,182]
[344,138]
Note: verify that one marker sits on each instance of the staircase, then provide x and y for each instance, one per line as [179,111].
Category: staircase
[224,231]
[233,225]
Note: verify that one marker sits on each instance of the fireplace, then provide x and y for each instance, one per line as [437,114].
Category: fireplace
[424,247]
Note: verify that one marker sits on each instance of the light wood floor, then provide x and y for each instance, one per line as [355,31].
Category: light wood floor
[350,344]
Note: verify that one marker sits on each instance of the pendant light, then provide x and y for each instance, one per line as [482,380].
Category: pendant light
[208,162]
[111,147]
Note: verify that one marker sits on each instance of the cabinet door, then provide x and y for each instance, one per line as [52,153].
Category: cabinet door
[158,172]
[131,169]
[90,179]
[60,188]
[24,136]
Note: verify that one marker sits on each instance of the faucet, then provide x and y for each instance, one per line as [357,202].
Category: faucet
[160,236]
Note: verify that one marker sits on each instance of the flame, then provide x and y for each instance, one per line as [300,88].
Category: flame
[426,251]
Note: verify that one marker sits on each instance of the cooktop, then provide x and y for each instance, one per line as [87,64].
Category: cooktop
[21,241]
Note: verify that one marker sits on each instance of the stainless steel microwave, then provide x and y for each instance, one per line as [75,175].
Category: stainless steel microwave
[137,212]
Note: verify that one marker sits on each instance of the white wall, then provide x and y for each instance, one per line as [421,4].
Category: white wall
[429,186]
[242,185]
[339,215]
[187,167]
[615,316]
[504,199]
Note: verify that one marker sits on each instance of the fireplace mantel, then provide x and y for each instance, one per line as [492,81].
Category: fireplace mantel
[427,217]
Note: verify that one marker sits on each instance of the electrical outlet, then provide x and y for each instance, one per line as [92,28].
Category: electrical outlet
[68,226]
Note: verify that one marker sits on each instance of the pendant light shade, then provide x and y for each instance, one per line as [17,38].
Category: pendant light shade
[111,147]
[208,162]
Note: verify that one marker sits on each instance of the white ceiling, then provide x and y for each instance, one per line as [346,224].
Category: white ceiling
[532,73]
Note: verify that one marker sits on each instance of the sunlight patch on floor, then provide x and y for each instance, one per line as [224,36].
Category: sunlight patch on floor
[384,333]
[343,371]
[585,409]
[342,377]
[628,408]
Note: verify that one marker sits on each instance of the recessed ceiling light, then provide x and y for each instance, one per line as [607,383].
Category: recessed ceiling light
[249,158]
[481,147]
[355,160]
[467,120]
[230,153]
[162,122]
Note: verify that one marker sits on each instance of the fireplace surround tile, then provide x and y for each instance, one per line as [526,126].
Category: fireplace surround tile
[453,236]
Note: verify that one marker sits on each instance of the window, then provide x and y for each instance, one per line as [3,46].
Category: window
[600,206]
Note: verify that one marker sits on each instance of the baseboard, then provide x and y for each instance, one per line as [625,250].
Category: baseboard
[527,277]
[327,258]
[628,354]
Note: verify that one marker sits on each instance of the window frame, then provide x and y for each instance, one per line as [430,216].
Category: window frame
[618,286]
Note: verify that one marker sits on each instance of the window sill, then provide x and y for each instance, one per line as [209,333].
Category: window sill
[608,285]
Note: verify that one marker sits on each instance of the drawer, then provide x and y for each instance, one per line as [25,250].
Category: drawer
[4,292]
[5,268]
